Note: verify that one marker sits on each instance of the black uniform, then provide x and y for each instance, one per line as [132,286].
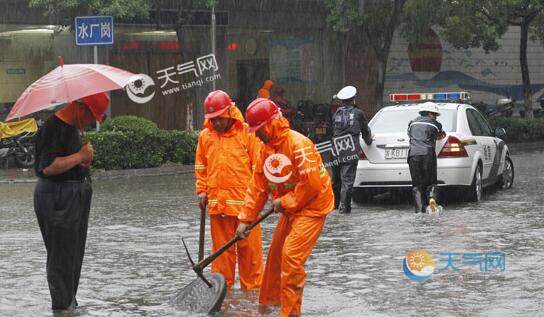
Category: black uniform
[62,203]
[423,132]
[348,123]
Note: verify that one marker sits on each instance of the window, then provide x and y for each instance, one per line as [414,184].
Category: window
[486,129]
[397,121]
[474,123]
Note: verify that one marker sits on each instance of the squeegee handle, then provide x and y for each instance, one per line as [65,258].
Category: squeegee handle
[205,262]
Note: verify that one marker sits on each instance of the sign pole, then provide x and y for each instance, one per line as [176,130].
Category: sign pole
[213,30]
[95,59]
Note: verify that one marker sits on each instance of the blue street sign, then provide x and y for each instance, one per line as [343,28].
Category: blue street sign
[94,30]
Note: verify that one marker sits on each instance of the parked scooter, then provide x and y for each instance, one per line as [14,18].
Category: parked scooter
[17,141]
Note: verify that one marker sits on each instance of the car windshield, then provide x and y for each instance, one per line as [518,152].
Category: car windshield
[397,121]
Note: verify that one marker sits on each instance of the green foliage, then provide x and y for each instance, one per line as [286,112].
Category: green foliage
[130,124]
[131,142]
[180,146]
[519,129]
[380,18]
[65,11]
[343,14]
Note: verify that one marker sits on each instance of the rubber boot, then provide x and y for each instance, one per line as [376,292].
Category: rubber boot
[432,192]
[345,206]
[418,200]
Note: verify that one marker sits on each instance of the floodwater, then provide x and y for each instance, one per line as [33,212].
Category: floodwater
[135,261]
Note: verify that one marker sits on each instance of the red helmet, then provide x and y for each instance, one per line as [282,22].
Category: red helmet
[97,104]
[216,103]
[259,112]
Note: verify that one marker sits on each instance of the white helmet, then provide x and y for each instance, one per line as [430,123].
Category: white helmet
[429,107]
[346,93]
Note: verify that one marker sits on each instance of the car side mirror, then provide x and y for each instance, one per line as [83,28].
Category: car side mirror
[500,133]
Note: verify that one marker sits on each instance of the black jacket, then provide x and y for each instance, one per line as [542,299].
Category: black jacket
[423,133]
[349,119]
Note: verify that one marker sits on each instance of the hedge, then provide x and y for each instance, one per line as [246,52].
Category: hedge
[132,142]
[519,129]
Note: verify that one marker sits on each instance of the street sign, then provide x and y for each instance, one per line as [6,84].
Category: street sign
[94,30]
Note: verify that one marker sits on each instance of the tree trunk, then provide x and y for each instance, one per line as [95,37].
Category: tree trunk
[527,91]
[158,14]
[380,83]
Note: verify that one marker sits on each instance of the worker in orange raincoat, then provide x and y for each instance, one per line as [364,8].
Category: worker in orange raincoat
[225,157]
[291,170]
[264,91]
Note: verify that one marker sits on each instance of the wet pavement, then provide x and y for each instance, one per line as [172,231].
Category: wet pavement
[135,261]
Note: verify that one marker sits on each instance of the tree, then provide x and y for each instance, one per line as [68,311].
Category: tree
[480,23]
[64,12]
[378,20]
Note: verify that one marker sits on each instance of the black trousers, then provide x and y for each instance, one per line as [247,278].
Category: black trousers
[343,178]
[422,170]
[62,209]
[424,182]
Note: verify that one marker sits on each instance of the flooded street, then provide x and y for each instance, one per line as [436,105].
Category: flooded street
[135,262]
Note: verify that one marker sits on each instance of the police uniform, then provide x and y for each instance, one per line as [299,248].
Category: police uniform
[348,123]
[423,132]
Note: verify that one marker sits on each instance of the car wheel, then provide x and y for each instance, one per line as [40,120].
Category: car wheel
[506,180]
[475,190]
[362,195]
[25,160]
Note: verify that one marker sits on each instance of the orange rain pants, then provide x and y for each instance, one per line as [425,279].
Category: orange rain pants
[304,188]
[247,251]
[223,168]
[284,275]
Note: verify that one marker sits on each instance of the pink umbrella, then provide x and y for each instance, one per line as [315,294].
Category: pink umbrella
[68,83]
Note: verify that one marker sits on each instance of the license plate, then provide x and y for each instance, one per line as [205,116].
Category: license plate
[396,153]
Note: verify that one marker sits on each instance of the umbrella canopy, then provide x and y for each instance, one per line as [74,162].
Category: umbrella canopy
[68,83]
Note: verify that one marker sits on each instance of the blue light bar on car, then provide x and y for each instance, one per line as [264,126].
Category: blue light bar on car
[440,96]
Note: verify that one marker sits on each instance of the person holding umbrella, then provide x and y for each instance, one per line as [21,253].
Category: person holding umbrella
[62,196]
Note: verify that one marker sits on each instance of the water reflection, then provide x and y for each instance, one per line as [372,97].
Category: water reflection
[135,260]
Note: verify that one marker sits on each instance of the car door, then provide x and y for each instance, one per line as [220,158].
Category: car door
[496,148]
[482,133]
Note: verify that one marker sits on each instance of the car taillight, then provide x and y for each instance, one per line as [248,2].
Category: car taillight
[453,148]
[362,155]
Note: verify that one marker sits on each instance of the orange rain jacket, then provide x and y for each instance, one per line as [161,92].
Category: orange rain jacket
[223,166]
[264,91]
[306,192]
[304,187]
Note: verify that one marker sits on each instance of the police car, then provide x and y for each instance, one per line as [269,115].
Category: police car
[470,157]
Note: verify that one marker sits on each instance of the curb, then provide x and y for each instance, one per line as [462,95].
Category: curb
[28,176]
[515,148]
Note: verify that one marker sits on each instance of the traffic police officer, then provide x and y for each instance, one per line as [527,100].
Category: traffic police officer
[348,123]
[423,132]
